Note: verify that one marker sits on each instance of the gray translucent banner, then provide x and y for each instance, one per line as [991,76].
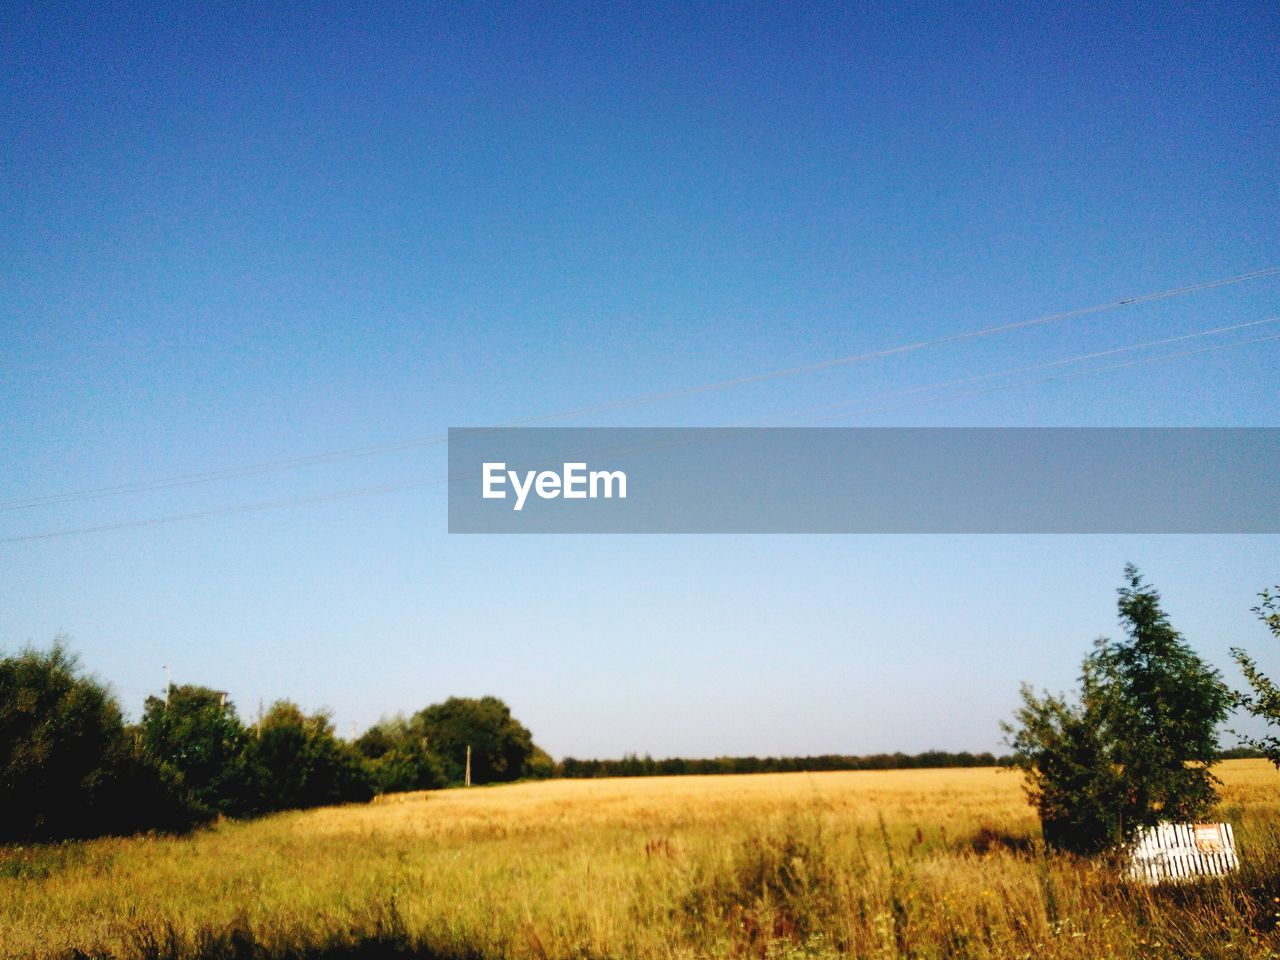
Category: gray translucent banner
[915,480]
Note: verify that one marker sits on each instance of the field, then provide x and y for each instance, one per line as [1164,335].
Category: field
[929,863]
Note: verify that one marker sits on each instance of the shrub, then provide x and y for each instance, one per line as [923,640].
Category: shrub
[300,763]
[68,768]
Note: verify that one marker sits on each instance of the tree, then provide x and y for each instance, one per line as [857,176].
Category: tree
[1263,700]
[1073,780]
[501,746]
[398,757]
[541,766]
[196,732]
[68,768]
[302,764]
[1135,748]
[1170,704]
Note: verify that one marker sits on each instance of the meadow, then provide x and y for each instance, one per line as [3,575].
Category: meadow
[913,863]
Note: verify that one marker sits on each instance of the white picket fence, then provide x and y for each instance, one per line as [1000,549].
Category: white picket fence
[1182,851]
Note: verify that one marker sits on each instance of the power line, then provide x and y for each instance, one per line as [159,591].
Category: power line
[438,480]
[237,508]
[399,445]
[1080,358]
[1062,376]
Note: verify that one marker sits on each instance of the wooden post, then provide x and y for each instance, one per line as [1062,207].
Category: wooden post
[468,765]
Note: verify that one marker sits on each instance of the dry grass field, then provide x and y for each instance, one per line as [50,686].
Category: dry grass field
[929,863]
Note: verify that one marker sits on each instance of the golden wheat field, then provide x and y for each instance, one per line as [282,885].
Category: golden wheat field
[928,863]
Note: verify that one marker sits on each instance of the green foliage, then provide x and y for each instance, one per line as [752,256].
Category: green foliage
[501,746]
[396,753]
[1168,706]
[196,732]
[540,766]
[1135,748]
[67,766]
[301,763]
[1263,698]
[1072,778]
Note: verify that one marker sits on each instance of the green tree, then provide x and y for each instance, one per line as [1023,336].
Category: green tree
[1072,776]
[396,752]
[300,763]
[1135,748]
[1263,698]
[501,746]
[195,730]
[1169,705]
[540,765]
[68,767]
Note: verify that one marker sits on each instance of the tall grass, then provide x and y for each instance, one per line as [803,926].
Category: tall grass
[919,863]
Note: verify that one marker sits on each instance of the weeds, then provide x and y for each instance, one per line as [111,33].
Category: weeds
[37,861]
[776,887]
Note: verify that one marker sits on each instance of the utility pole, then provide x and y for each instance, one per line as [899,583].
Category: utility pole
[168,686]
[468,764]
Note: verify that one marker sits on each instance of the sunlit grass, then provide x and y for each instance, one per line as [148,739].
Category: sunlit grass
[924,863]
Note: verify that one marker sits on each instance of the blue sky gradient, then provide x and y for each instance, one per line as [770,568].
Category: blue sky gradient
[232,235]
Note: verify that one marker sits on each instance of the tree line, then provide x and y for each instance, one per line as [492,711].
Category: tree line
[70,766]
[646,766]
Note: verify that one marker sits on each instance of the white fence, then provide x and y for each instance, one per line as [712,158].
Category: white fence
[1182,851]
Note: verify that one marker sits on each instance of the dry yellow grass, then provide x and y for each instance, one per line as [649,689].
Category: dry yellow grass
[931,863]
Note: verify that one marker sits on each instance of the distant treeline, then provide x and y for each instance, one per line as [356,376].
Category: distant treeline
[646,766]
[1243,753]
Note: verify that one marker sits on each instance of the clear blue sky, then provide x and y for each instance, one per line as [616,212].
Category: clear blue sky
[236,234]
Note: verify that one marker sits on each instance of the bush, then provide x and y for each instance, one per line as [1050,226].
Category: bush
[1263,698]
[195,731]
[68,768]
[300,763]
[395,751]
